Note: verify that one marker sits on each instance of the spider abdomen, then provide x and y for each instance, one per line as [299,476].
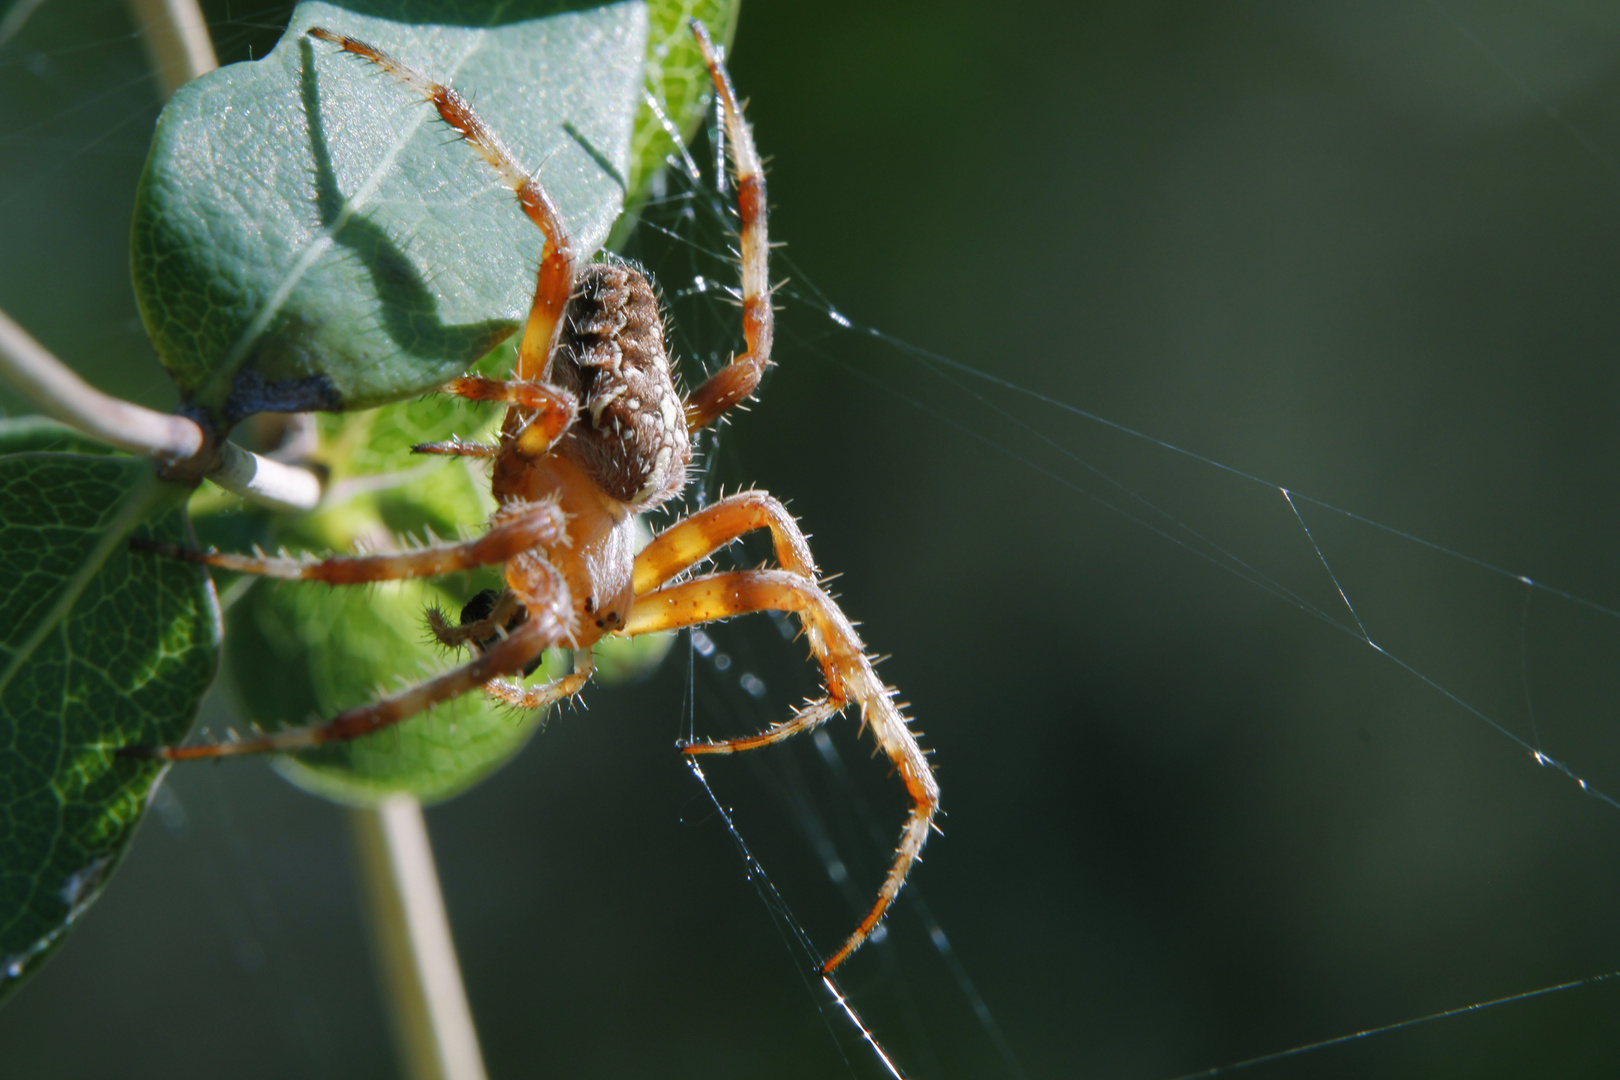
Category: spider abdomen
[631,431]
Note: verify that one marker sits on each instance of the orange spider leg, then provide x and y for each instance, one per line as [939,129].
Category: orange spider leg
[735,383]
[547,411]
[556,278]
[848,675]
[690,541]
[517,528]
[541,697]
[506,657]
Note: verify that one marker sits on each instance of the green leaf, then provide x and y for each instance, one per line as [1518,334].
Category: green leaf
[306,235]
[677,81]
[300,652]
[100,647]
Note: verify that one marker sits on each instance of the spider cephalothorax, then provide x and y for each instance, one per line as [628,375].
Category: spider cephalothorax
[595,432]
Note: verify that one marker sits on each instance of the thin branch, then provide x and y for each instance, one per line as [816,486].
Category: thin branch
[272,483]
[49,384]
[415,956]
[176,38]
[44,380]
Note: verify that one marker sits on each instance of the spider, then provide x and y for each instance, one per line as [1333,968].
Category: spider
[595,432]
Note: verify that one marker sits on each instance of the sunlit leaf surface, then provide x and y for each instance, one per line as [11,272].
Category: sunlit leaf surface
[306,234]
[100,647]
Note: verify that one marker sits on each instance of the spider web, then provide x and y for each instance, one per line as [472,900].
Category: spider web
[1188,832]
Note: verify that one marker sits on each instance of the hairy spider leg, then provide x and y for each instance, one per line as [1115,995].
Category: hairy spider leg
[849,676]
[532,581]
[556,277]
[507,656]
[693,539]
[506,606]
[546,411]
[736,382]
[542,697]
[847,671]
[517,528]
[690,541]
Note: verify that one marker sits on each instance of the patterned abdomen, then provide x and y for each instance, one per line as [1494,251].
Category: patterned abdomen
[631,431]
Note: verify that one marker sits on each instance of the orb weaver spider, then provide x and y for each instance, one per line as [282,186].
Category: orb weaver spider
[595,432]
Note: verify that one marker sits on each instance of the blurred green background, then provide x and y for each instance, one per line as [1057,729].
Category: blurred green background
[1368,251]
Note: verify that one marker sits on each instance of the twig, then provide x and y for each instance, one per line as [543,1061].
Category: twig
[176,38]
[57,391]
[433,1027]
[177,42]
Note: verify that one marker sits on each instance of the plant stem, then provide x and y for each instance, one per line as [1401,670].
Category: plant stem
[416,958]
[47,382]
[50,384]
[176,38]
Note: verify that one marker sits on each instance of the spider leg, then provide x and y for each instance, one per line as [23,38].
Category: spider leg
[735,383]
[518,527]
[849,677]
[507,656]
[556,277]
[501,610]
[693,539]
[456,448]
[540,697]
[810,717]
[547,411]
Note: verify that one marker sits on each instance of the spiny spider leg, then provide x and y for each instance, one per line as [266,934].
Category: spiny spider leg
[691,540]
[501,610]
[811,716]
[849,677]
[517,528]
[541,697]
[548,413]
[507,656]
[556,278]
[735,383]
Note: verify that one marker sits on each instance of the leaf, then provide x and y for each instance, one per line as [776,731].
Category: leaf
[100,647]
[306,235]
[298,652]
[677,81]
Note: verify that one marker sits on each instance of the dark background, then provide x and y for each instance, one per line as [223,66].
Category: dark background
[1364,250]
